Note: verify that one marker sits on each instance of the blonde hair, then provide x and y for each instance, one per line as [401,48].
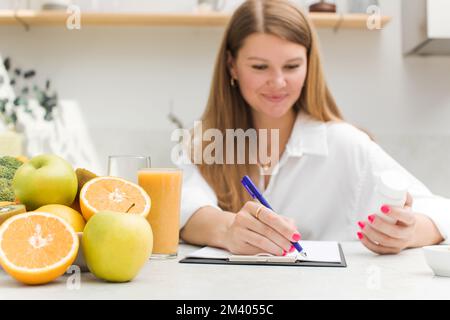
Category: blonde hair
[227,109]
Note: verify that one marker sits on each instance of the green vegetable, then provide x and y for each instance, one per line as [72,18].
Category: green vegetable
[4,183]
[7,173]
[10,162]
[6,190]
[8,168]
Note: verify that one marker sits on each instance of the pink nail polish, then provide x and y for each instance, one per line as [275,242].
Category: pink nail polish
[296,237]
[292,249]
[371,218]
[361,225]
[385,209]
[284,253]
[360,235]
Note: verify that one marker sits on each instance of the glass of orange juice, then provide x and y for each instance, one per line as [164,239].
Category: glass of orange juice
[163,185]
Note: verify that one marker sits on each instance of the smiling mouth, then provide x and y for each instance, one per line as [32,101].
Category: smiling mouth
[275,98]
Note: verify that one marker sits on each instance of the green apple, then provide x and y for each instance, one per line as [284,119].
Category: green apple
[45,179]
[116,245]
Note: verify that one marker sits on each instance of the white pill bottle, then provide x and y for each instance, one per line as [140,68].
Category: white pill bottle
[391,189]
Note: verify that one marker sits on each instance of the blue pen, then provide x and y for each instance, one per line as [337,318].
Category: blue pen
[254,193]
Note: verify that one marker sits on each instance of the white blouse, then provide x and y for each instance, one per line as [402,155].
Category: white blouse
[325,181]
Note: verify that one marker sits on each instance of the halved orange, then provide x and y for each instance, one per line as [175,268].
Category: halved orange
[113,194]
[37,247]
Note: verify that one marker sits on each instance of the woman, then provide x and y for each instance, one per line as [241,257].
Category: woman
[268,75]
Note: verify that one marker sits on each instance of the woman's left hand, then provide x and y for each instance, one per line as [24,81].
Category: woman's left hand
[383,237]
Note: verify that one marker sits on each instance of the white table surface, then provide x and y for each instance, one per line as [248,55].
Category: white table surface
[367,276]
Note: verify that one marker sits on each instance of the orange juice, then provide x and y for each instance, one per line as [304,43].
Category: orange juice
[164,188]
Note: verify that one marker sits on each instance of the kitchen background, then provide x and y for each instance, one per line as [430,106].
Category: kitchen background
[124,79]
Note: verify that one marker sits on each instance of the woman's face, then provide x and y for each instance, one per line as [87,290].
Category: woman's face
[270,73]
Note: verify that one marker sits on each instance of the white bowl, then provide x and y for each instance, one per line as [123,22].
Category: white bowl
[438,259]
[79,261]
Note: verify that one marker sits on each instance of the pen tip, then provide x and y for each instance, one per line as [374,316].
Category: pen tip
[303,253]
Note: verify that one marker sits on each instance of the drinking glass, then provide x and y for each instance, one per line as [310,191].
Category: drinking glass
[127,166]
[163,185]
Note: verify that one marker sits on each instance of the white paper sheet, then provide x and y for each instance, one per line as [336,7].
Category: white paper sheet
[317,251]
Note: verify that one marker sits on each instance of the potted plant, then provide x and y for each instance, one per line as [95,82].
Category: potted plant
[17,91]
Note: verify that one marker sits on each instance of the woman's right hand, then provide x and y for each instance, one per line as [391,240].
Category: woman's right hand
[269,233]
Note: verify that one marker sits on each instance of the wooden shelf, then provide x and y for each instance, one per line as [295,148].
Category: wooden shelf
[58,18]
[345,21]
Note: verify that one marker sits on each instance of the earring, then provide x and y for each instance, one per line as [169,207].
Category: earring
[232,82]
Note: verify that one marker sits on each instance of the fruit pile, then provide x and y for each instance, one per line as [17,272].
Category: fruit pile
[52,204]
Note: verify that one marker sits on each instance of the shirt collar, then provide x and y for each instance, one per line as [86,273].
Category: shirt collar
[309,136]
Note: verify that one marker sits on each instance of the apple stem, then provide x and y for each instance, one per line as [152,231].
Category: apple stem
[130,207]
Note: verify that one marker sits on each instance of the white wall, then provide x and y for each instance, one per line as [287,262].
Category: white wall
[124,78]
[404,102]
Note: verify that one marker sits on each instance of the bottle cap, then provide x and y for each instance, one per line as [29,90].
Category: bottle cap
[393,185]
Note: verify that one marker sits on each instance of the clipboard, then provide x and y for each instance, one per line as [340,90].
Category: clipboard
[267,260]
